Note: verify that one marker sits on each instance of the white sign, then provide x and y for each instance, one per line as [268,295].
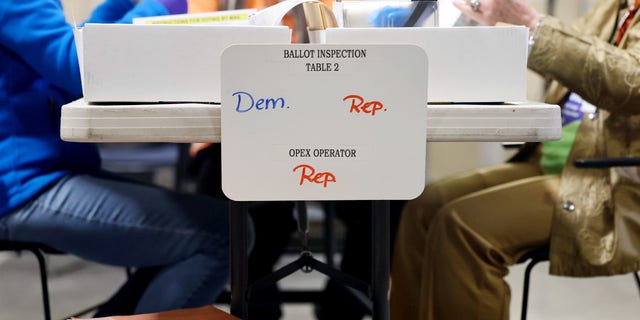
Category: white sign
[323,122]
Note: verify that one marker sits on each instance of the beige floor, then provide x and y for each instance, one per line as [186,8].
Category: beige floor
[76,284]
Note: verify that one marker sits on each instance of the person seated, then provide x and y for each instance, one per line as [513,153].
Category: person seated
[457,239]
[54,193]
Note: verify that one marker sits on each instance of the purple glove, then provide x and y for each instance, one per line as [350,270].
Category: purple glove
[174,6]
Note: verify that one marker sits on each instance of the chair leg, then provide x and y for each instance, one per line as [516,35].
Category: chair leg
[527,278]
[525,291]
[44,283]
[637,277]
[525,287]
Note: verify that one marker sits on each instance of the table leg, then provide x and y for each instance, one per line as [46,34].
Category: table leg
[239,237]
[381,261]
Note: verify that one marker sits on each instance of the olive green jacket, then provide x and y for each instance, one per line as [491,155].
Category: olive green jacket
[596,224]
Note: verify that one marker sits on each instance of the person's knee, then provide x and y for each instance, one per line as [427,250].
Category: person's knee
[214,239]
[423,209]
[215,246]
[449,226]
[418,214]
[451,232]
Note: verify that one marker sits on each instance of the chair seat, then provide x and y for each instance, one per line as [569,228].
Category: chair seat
[9,245]
[534,257]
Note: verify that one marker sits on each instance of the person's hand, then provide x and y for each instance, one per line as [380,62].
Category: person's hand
[389,16]
[196,6]
[490,12]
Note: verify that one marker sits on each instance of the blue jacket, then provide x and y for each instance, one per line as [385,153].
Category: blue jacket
[39,73]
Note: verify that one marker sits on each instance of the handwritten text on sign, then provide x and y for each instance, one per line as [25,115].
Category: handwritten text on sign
[356,104]
[245,102]
[323,122]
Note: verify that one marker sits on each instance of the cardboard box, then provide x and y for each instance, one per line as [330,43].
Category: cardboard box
[466,64]
[160,63]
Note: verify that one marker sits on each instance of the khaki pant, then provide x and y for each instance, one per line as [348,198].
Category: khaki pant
[456,240]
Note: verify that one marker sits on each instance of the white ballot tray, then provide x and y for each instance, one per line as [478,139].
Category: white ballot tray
[466,64]
[161,63]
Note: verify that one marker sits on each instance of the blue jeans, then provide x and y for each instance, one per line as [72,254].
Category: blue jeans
[117,222]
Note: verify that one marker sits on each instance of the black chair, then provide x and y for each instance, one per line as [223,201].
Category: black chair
[534,257]
[135,161]
[39,251]
[539,255]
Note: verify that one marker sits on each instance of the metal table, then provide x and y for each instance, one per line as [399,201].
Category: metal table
[194,122]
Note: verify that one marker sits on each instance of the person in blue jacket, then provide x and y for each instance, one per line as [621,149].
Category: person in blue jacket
[54,192]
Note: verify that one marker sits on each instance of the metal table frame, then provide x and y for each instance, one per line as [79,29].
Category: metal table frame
[376,290]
